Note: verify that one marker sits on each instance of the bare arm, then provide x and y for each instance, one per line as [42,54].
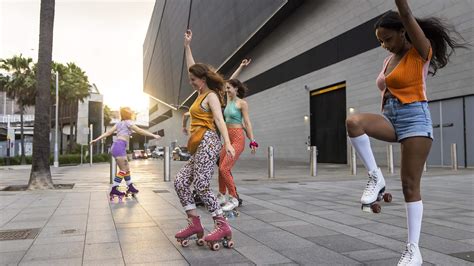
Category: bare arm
[215,106]
[245,113]
[185,122]
[248,126]
[144,132]
[244,63]
[188,35]
[417,36]
[106,134]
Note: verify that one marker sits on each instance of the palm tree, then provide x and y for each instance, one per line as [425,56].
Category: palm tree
[73,87]
[107,120]
[19,84]
[78,90]
[40,177]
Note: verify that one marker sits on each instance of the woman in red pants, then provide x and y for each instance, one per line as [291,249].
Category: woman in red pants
[236,115]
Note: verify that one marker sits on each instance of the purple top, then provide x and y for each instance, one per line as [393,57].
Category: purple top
[123,128]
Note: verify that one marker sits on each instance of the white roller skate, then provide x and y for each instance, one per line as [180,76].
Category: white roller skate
[411,256]
[374,191]
[221,199]
[230,207]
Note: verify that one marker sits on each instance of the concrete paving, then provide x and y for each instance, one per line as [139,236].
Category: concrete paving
[293,219]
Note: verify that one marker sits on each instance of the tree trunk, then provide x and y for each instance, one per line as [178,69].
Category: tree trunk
[40,177]
[60,136]
[22,135]
[71,139]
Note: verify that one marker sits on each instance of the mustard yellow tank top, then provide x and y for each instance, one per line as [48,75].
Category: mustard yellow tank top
[199,116]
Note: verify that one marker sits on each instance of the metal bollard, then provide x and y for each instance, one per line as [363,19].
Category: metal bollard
[390,159]
[113,169]
[454,157]
[353,161]
[314,161]
[166,164]
[271,169]
[82,148]
[90,146]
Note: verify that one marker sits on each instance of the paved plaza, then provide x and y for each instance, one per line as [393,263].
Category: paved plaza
[293,219]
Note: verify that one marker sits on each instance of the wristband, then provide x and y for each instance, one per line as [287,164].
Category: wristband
[252,144]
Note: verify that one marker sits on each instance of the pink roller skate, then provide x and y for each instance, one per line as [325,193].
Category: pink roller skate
[222,232]
[114,192]
[194,227]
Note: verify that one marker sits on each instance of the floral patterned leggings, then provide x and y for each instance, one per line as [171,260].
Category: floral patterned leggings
[200,169]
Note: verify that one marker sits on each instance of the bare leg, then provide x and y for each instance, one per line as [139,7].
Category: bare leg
[373,125]
[414,153]
[122,163]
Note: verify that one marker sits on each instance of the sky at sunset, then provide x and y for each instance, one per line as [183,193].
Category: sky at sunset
[103,37]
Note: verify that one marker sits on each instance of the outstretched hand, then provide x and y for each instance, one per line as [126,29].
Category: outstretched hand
[188,36]
[246,62]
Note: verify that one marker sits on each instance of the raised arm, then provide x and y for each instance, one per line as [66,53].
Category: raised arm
[188,35]
[215,106]
[185,122]
[144,132]
[106,134]
[417,36]
[244,63]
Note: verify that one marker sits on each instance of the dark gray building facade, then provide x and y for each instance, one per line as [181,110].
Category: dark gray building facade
[313,63]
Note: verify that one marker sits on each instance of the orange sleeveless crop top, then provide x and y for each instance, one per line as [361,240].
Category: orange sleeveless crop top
[407,81]
[199,116]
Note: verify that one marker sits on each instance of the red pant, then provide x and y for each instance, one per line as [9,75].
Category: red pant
[226,162]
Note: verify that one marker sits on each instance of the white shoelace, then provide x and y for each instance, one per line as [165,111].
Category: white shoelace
[407,255]
[369,188]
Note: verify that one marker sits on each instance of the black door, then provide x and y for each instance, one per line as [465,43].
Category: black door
[328,127]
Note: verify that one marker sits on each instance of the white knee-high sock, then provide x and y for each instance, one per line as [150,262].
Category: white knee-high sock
[414,217]
[362,146]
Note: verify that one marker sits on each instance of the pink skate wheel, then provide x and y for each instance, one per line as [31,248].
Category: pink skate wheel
[387,197]
[230,244]
[185,243]
[376,208]
[216,246]
[200,242]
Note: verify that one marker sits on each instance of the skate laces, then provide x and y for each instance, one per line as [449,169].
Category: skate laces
[190,224]
[407,255]
[369,188]
[217,227]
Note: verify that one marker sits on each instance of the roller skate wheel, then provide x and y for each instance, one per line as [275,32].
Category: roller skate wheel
[230,244]
[387,197]
[376,208]
[200,242]
[215,246]
[185,243]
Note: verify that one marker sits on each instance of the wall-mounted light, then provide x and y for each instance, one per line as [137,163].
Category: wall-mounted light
[306,117]
[351,110]
[306,87]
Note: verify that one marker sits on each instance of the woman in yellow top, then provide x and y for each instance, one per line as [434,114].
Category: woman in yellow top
[205,145]
[416,46]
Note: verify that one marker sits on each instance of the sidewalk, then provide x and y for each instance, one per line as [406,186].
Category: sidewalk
[293,219]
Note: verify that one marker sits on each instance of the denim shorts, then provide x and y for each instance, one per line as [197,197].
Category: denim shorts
[408,120]
[119,148]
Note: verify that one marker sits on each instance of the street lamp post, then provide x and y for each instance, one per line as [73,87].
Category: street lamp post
[56,127]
